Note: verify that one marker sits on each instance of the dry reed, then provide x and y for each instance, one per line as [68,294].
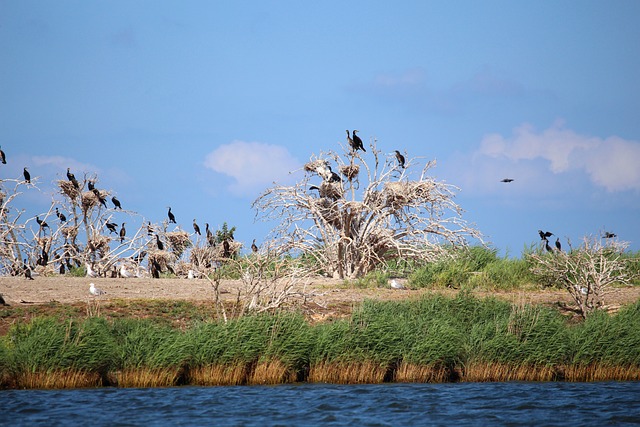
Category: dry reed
[69,378]
[366,372]
[209,375]
[147,377]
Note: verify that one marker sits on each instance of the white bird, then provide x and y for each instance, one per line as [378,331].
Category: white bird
[90,272]
[190,275]
[124,272]
[95,291]
[396,285]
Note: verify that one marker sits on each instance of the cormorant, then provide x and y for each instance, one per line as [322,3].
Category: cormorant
[544,234]
[2,301]
[155,269]
[333,177]
[112,227]
[608,235]
[62,269]
[172,217]
[149,229]
[350,141]
[90,185]
[27,271]
[116,203]
[102,200]
[123,232]
[27,176]
[558,245]
[226,250]
[357,142]
[546,245]
[196,229]
[507,180]
[3,159]
[400,158]
[41,223]
[71,177]
[210,239]
[60,216]
[313,187]
[159,243]
[254,248]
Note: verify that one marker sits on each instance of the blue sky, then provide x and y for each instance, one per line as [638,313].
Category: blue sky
[201,105]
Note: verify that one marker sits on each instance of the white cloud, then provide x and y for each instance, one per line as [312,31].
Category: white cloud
[253,165]
[611,162]
[60,164]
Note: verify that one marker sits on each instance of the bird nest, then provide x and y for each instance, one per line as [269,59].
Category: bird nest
[178,241]
[333,191]
[315,165]
[401,194]
[43,241]
[163,258]
[68,189]
[69,232]
[203,256]
[350,172]
[99,244]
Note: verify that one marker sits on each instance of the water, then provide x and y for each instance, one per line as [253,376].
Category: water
[544,404]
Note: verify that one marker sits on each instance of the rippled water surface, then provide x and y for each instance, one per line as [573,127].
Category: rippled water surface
[561,404]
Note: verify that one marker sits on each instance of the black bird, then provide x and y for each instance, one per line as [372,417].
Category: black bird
[116,203]
[350,141]
[400,158]
[608,235]
[155,269]
[62,269]
[507,180]
[210,239]
[159,243]
[27,175]
[27,271]
[123,233]
[60,216]
[546,245]
[313,187]
[196,229]
[558,245]
[102,200]
[334,177]
[2,301]
[254,248]
[149,229]
[112,226]
[172,217]
[90,185]
[544,234]
[41,223]
[226,250]
[71,177]
[357,142]
[3,158]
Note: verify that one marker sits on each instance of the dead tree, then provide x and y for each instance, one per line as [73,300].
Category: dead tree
[587,272]
[371,212]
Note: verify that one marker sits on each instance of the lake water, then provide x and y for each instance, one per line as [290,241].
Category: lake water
[544,404]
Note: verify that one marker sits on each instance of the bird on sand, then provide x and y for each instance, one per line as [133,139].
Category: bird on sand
[507,180]
[27,176]
[95,291]
[27,271]
[172,217]
[396,285]
[400,159]
[116,203]
[90,271]
[124,272]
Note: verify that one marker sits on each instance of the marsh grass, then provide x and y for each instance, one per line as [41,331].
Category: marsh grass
[57,379]
[147,377]
[365,372]
[223,374]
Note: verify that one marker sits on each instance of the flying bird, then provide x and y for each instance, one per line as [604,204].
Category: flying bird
[608,235]
[95,291]
[196,228]
[123,233]
[27,176]
[3,158]
[357,142]
[558,244]
[507,180]
[544,234]
[400,158]
[116,203]
[172,217]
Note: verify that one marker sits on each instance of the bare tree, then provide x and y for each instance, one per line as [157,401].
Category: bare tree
[374,210]
[587,272]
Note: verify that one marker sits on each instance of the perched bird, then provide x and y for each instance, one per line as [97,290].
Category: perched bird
[172,217]
[396,285]
[71,177]
[91,185]
[332,176]
[196,229]
[558,245]
[3,158]
[60,216]
[123,233]
[254,248]
[357,142]
[102,200]
[90,271]
[159,243]
[27,176]
[210,239]
[41,223]
[400,158]
[507,180]
[149,229]
[62,269]
[546,246]
[608,235]
[155,269]
[544,234]
[226,249]
[95,291]
[112,226]
[116,203]
[350,141]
